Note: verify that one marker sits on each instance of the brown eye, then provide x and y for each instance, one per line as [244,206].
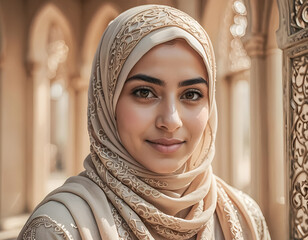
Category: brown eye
[189,95]
[192,95]
[143,93]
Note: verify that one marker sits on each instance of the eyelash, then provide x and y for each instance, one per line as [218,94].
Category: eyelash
[136,93]
[194,91]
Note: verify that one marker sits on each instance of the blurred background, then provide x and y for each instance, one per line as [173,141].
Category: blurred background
[46,51]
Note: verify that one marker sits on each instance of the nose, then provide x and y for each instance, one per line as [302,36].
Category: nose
[169,118]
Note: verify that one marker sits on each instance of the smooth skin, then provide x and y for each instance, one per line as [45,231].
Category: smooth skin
[163,108]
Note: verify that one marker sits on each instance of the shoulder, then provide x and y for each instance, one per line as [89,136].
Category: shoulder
[71,210]
[255,214]
[51,220]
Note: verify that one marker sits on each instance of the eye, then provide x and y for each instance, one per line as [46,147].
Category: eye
[192,95]
[143,93]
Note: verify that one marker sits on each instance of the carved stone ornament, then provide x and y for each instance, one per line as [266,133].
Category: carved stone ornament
[293,18]
[299,147]
[292,38]
[299,16]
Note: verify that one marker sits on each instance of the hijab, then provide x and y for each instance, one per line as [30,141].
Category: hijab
[152,198]
[126,200]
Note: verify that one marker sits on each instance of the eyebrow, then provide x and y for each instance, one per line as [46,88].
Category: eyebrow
[193,81]
[147,78]
[159,82]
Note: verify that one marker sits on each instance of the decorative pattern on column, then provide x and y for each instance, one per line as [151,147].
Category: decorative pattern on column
[292,39]
[299,147]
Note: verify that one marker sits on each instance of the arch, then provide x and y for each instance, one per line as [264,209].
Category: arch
[273,27]
[99,22]
[214,25]
[231,79]
[39,106]
[212,21]
[39,33]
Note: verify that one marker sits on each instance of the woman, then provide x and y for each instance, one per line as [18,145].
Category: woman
[152,125]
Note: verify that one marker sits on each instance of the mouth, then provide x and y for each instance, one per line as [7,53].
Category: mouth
[166,145]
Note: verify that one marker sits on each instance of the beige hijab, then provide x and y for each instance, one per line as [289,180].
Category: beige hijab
[126,200]
[154,200]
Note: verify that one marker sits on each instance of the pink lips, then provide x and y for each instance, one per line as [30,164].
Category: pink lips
[166,145]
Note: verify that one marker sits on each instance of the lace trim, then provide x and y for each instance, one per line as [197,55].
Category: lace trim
[46,222]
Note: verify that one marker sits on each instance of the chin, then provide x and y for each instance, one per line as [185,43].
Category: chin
[161,169]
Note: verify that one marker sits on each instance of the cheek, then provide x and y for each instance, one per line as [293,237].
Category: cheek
[198,121]
[131,119]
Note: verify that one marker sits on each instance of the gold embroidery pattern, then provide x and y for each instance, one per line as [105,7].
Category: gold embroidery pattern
[255,212]
[115,172]
[46,222]
[229,209]
[142,24]
[113,168]
[155,183]
[125,233]
[165,225]
[130,217]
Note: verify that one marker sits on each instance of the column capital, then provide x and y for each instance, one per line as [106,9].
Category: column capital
[255,45]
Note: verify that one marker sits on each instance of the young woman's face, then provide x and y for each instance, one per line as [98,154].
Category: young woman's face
[163,107]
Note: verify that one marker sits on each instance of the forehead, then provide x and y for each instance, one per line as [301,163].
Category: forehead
[176,57]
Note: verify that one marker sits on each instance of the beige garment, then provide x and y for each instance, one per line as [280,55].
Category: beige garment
[116,197]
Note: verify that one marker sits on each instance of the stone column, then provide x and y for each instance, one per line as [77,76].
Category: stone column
[82,138]
[38,133]
[292,39]
[258,119]
[13,111]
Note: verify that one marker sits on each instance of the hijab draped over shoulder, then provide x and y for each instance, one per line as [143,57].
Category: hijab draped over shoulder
[116,197]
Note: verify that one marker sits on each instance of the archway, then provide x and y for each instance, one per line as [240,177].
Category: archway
[267,170]
[233,79]
[50,60]
[226,31]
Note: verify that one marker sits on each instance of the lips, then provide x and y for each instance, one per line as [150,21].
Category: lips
[166,145]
